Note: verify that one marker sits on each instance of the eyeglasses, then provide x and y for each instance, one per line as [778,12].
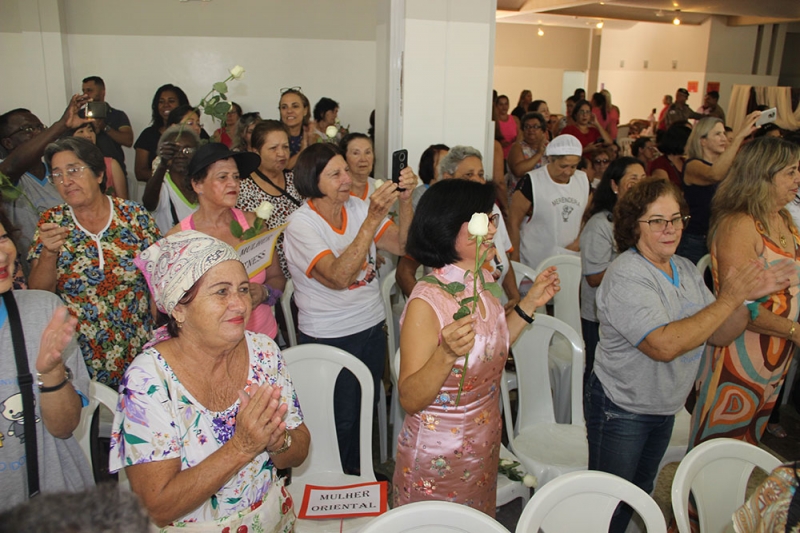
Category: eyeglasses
[287,89]
[660,224]
[28,129]
[71,172]
[601,161]
[494,218]
[585,112]
[528,127]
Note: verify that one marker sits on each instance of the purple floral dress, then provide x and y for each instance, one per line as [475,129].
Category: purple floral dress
[451,453]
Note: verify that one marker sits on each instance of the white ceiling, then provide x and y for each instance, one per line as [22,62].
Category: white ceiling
[582,13]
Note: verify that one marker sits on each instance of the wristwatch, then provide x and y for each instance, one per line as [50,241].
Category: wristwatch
[67,379]
[287,441]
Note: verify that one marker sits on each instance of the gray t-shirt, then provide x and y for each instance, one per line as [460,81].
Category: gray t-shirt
[598,250]
[634,299]
[62,465]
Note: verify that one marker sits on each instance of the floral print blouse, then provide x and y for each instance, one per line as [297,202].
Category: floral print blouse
[102,288]
[158,419]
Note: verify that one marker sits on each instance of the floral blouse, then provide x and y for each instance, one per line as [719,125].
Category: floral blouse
[251,196]
[102,287]
[158,419]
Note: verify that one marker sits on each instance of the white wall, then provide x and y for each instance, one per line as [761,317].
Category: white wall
[637,90]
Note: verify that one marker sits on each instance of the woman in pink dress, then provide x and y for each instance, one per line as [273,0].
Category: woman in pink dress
[506,123]
[448,447]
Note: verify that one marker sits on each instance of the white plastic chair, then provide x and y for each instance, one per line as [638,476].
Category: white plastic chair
[102,397]
[434,517]
[704,264]
[396,414]
[716,472]
[313,368]
[679,441]
[546,448]
[286,306]
[585,502]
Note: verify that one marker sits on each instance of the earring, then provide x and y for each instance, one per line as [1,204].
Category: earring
[179,323]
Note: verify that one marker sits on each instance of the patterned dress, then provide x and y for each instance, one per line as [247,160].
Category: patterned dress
[451,453]
[102,287]
[738,385]
[251,196]
[157,419]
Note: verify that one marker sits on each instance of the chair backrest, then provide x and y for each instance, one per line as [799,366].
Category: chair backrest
[566,302]
[523,271]
[434,517]
[394,368]
[716,472]
[313,368]
[99,395]
[533,376]
[704,264]
[286,307]
[585,501]
[392,337]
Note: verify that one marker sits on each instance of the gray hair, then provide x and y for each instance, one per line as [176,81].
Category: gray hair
[449,163]
[83,150]
[102,508]
[173,133]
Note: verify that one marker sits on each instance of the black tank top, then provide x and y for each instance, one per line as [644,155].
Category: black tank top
[699,199]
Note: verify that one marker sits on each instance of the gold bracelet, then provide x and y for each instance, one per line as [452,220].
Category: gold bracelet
[791,330]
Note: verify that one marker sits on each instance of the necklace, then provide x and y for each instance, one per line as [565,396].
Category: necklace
[782,238]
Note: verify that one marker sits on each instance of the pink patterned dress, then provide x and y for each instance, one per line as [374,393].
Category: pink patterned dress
[451,453]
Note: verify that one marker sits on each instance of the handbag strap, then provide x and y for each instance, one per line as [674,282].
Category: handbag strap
[291,198]
[25,380]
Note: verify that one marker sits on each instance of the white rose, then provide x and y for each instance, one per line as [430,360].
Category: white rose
[478,225]
[505,462]
[331,131]
[530,481]
[379,184]
[264,210]
[237,72]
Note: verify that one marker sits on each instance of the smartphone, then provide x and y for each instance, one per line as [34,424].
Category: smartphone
[767,117]
[399,162]
[95,110]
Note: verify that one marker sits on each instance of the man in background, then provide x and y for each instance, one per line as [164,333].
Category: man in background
[114,131]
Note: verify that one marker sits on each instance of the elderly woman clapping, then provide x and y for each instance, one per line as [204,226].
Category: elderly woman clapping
[209,413]
[656,314]
[331,247]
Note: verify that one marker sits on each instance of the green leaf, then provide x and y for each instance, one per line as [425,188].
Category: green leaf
[152,389]
[208,110]
[494,289]
[433,280]
[259,223]
[221,110]
[222,95]
[455,287]
[236,229]
[467,300]
[480,276]
[461,313]
[221,87]
[249,234]
[133,439]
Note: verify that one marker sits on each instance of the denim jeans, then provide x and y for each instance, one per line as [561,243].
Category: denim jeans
[625,444]
[591,337]
[369,346]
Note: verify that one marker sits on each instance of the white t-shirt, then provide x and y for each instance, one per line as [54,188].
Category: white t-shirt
[171,194]
[557,212]
[323,312]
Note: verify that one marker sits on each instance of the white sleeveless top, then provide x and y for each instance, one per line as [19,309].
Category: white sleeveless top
[557,212]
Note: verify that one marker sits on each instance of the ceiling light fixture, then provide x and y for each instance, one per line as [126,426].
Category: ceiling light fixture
[599,25]
[677,19]
[540,32]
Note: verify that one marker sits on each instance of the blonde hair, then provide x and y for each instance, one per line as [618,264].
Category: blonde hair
[748,187]
[700,131]
[609,105]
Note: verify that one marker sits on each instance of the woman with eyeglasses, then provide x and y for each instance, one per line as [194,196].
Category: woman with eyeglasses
[586,128]
[656,315]
[168,194]
[738,383]
[116,182]
[295,115]
[83,251]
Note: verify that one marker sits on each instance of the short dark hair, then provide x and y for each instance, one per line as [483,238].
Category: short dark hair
[635,203]
[176,115]
[5,118]
[714,94]
[605,198]
[310,164]
[324,105]
[427,160]
[83,150]
[350,137]
[533,107]
[674,140]
[599,100]
[441,212]
[182,100]
[639,144]
[237,107]
[264,128]
[530,115]
[97,80]
[578,105]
